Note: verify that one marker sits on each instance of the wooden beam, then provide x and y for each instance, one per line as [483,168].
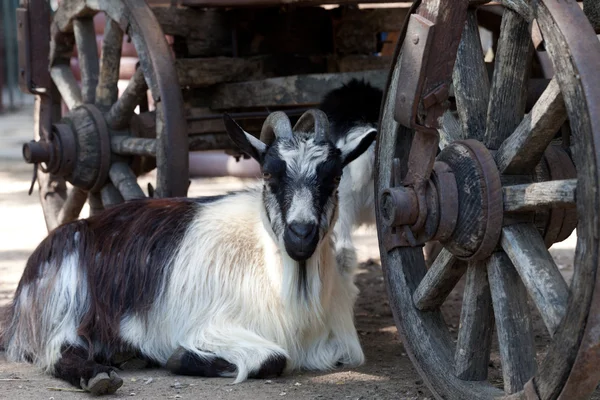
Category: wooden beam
[524,148]
[513,323]
[508,94]
[299,90]
[476,326]
[544,282]
[443,275]
[531,197]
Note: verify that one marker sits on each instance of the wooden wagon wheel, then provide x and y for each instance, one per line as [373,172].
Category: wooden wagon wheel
[479,197]
[93,145]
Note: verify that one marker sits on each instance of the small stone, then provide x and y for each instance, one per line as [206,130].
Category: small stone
[133,380]
[147,381]
[268,382]
[282,393]
[297,384]
[132,394]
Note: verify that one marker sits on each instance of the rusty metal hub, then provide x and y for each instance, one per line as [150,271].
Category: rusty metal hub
[78,149]
[464,174]
[461,203]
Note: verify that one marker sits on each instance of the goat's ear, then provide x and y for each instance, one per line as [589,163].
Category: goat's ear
[352,149]
[247,143]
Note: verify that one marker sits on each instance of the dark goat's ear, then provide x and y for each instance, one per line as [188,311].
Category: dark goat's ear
[355,147]
[247,143]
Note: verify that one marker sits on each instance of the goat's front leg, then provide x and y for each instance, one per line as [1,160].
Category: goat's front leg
[229,352]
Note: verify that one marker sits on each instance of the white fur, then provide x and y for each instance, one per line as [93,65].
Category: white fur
[356,200]
[240,302]
[231,292]
[64,306]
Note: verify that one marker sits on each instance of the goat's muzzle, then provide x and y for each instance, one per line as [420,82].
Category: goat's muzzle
[301,240]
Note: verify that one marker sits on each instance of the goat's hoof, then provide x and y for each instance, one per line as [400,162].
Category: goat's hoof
[271,368]
[102,383]
[134,364]
[174,362]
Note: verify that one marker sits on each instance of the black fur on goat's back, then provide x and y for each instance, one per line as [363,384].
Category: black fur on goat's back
[356,102]
[125,252]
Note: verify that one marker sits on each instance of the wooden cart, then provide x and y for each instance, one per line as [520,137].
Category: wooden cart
[496,158]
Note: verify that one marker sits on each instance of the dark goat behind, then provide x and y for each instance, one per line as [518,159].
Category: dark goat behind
[355,103]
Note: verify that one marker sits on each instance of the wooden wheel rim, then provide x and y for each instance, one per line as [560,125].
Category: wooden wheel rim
[424,334]
[157,71]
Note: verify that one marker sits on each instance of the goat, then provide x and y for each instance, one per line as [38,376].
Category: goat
[352,110]
[241,285]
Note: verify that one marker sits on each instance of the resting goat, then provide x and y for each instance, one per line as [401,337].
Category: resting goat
[352,110]
[240,285]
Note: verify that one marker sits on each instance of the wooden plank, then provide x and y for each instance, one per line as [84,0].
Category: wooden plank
[513,323]
[523,149]
[530,197]
[202,72]
[206,32]
[299,90]
[356,30]
[470,81]
[508,94]
[546,286]
[476,326]
[443,275]
[359,62]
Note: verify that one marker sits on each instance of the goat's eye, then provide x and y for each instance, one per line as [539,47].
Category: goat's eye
[337,179]
[266,175]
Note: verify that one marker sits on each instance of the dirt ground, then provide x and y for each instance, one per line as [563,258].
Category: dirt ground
[387,374]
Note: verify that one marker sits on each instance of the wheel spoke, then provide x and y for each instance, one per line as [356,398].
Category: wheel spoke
[127,145]
[439,281]
[546,286]
[522,150]
[125,181]
[476,326]
[107,91]
[110,195]
[65,82]
[95,202]
[72,206]
[53,192]
[87,50]
[513,323]
[120,113]
[470,79]
[508,94]
[530,197]
[450,129]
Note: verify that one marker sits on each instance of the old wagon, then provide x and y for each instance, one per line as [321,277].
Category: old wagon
[495,155]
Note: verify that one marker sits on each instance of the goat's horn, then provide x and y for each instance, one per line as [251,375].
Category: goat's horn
[316,120]
[276,125]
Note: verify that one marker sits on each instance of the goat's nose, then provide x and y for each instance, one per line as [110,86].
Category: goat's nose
[303,230]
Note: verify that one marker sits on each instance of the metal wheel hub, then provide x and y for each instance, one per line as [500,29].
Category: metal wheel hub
[78,149]
[464,174]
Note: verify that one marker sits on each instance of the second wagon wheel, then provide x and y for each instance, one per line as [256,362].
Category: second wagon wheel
[497,195]
[93,145]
